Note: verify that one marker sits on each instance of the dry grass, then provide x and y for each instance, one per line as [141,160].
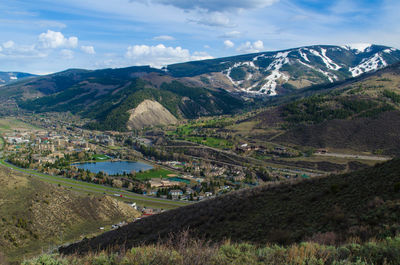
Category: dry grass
[183,250]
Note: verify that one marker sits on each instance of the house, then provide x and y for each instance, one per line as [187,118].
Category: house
[175,193]
[147,212]
[189,191]
[208,194]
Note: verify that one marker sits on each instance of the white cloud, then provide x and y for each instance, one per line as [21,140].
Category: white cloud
[249,47]
[228,44]
[88,49]
[200,56]
[160,55]
[164,37]
[67,54]
[53,39]
[258,45]
[8,44]
[231,34]
[214,5]
[13,51]
[214,19]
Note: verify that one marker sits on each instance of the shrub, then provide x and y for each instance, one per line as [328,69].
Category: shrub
[46,259]
[396,187]
[376,252]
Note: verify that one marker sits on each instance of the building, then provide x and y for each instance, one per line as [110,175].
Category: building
[176,193]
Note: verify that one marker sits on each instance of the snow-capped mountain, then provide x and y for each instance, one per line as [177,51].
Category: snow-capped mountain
[8,77]
[272,73]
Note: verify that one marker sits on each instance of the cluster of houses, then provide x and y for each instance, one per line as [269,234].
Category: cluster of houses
[49,145]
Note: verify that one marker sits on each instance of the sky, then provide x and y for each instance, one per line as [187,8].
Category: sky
[43,36]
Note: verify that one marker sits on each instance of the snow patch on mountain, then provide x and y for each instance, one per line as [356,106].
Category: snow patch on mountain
[271,81]
[371,64]
[304,55]
[229,70]
[331,77]
[390,50]
[327,61]
[360,47]
[258,56]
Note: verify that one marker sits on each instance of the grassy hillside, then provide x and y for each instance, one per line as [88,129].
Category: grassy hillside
[35,215]
[363,205]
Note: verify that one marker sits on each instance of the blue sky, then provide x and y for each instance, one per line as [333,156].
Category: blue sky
[43,36]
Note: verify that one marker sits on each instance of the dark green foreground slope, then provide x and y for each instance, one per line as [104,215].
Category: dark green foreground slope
[363,204]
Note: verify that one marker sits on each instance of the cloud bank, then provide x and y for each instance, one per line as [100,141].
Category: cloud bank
[214,5]
[160,55]
[88,49]
[250,47]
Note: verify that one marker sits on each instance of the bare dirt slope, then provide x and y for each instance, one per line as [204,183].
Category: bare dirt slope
[149,113]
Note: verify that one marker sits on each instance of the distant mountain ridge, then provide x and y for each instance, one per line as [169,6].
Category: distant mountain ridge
[273,73]
[198,88]
[9,77]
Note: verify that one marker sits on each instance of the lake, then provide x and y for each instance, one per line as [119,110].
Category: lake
[113,168]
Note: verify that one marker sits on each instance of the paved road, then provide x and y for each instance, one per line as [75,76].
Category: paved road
[362,157]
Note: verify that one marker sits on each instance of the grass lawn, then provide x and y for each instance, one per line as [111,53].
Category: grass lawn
[182,130]
[100,157]
[1,142]
[210,141]
[153,173]
[10,124]
[115,147]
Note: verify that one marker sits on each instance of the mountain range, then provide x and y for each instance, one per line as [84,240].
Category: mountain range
[274,73]
[188,90]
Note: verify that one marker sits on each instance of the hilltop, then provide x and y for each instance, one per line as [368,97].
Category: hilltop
[36,215]
[362,204]
[10,77]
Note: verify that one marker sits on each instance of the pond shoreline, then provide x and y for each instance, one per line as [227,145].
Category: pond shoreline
[113,167]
